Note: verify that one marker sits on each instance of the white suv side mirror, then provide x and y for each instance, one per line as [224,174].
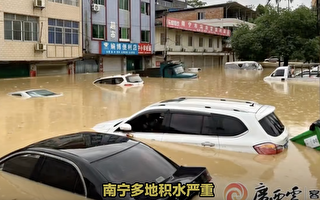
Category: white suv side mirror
[125,127]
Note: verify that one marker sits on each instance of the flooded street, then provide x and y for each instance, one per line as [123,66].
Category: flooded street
[83,105]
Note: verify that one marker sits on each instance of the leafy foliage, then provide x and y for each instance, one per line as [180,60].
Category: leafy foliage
[291,34]
[196,3]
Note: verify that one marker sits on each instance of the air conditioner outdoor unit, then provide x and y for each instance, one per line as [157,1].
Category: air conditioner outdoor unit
[40,47]
[39,3]
[96,7]
[195,50]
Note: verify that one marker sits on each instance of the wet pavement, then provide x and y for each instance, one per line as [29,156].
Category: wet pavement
[83,105]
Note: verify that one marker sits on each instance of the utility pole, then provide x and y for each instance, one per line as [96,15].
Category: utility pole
[165,35]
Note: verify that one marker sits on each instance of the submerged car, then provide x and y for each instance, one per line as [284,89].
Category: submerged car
[35,93]
[121,80]
[243,65]
[228,124]
[81,163]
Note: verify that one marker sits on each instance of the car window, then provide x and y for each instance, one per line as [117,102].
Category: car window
[279,72]
[224,125]
[38,93]
[134,79]
[62,175]
[118,80]
[21,165]
[117,170]
[17,95]
[105,81]
[185,123]
[148,122]
[272,125]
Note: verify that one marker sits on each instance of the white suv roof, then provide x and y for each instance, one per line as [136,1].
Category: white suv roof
[223,104]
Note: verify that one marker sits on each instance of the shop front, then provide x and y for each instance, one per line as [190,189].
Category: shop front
[121,57]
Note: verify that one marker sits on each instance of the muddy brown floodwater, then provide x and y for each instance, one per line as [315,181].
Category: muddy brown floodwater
[84,105]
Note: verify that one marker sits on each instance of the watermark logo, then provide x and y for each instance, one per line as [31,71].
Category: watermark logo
[235,191]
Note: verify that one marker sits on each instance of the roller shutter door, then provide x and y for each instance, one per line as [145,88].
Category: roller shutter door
[14,70]
[187,60]
[198,61]
[112,64]
[86,66]
[43,70]
[208,61]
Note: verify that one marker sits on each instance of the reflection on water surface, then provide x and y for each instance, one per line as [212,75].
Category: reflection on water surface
[83,105]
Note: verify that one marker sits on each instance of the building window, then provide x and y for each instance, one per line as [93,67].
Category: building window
[145,8]
[178,38]
[100,2]
[210,42]
[200,42]
[145,36]
[218,42]
[20,27]
[68,2]
[162,39]
[200,15]
[98,31]
[190,41]
[124,34]
[124,4]
[63,31]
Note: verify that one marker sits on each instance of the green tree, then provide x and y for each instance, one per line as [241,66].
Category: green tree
[290,34]
[260,9]
[196,3]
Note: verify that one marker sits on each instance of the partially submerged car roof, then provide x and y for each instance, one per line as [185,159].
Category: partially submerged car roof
[90,146]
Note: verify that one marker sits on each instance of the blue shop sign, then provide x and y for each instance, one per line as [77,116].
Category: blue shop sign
[117,48]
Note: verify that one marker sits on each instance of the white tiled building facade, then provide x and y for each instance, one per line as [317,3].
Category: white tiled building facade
[39,36]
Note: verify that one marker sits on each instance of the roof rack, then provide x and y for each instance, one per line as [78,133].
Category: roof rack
[215,99]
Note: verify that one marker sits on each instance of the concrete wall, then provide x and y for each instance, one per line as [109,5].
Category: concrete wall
[110,14]
[24,50]
[184,41]
[209,13]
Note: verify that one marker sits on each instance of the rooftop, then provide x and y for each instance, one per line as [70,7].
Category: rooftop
[224,22]
[212,103]
[91,146]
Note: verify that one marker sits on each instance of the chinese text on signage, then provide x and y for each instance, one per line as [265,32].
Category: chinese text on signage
[196,27]
[117,48]
[145,48]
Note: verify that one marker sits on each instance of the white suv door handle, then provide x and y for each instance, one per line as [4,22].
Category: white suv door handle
[207,144]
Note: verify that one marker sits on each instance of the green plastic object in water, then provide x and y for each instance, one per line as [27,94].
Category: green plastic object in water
[311,137]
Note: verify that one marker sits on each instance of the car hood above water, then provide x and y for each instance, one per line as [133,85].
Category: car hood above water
[104,127]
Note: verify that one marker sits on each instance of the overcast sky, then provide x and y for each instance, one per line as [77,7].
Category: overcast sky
[284,3]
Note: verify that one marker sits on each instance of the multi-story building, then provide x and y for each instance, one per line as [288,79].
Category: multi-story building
[39,37]
[192,43]
[117,35]
[171,4]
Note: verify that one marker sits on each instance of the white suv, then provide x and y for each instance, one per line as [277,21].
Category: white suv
[228,124]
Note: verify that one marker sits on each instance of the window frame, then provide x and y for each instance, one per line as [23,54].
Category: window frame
[210,43]
[162,38]
[201,41]
[74,33]
[178,39]
[128,31]
[145,8]
[67,2]
[42,156]
[147,33]
[190,41]
[99,26]
[34,24]
[99,2]
[122,5]
[200,15]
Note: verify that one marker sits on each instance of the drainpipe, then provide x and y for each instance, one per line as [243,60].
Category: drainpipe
[165,35]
